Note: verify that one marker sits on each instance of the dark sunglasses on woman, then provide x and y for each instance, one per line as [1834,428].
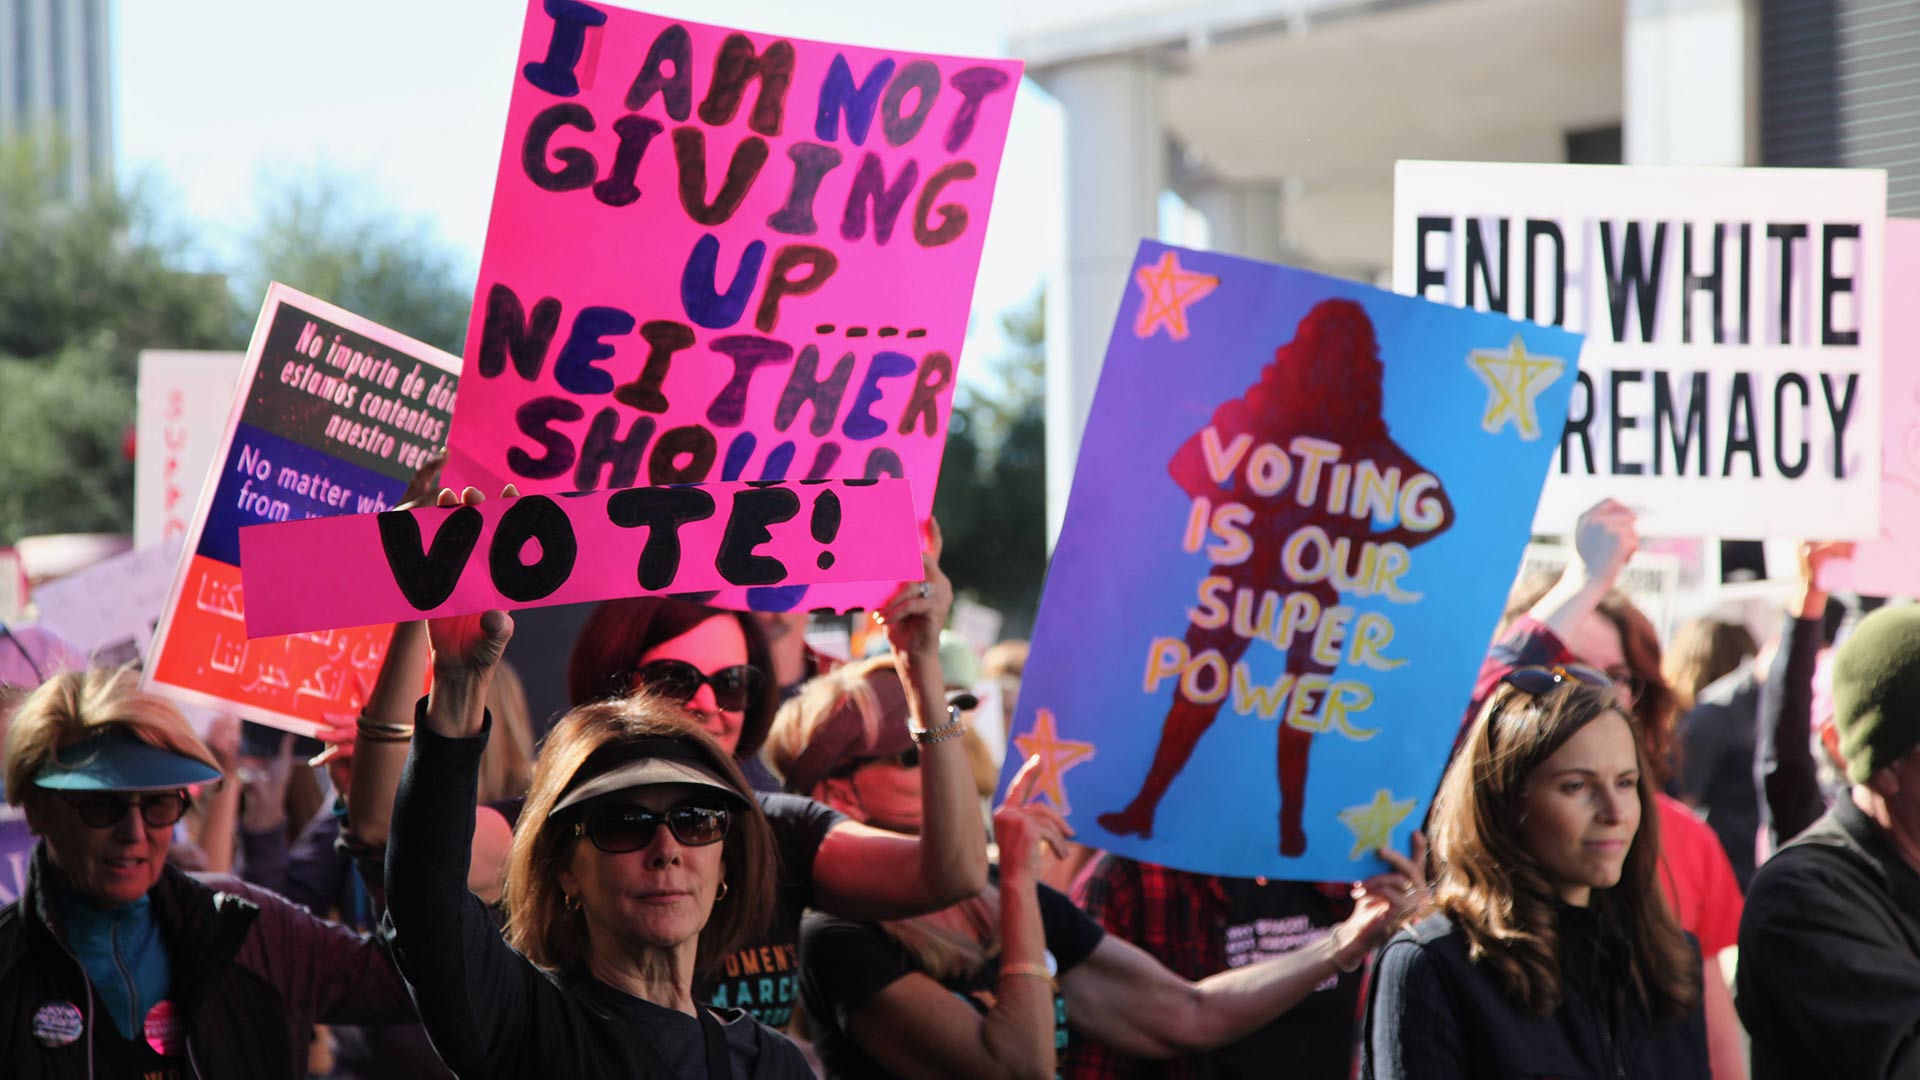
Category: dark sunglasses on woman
[734,688]
[104,810]
[620,827]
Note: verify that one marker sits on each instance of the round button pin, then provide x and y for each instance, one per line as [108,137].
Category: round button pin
[58,1024]
[163,1029]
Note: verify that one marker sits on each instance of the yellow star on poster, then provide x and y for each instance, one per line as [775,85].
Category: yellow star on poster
[1515,379]
[1168,290]
[1057,755]
[1373,823]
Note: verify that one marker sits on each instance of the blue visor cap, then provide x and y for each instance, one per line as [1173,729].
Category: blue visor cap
[117,760]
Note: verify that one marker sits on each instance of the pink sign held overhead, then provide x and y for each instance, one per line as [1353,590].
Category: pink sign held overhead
[721,256]
[538,550]
[1889,565]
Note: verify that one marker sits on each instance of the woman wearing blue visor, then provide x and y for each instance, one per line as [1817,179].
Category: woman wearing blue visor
[112,963]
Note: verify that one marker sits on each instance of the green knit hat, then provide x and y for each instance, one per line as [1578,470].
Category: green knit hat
[1876,690]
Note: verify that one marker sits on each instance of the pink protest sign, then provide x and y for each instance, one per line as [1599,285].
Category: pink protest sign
[719,256]
[538,550]
[1888,565]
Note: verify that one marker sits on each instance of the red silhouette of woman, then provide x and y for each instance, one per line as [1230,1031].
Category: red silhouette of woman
[1325,384]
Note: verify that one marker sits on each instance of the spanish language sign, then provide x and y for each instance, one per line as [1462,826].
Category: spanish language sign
[332,415]
[1731,384]
[721,256]
[183,398]
[1297,510]
[537,550]
[1889,563]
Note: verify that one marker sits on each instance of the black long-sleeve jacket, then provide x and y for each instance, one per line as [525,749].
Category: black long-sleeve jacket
[1784,767]
[1829,978]
[1434,1014]
[252,973]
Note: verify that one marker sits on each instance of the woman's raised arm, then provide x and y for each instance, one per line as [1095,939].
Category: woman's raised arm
[866,873]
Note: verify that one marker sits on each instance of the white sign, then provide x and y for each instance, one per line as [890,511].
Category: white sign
[108,610]
[978,624]
[184,399]
[13,585]
[1730,384]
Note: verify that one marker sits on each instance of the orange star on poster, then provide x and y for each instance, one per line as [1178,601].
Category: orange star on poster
[1168,290]
[1056,755]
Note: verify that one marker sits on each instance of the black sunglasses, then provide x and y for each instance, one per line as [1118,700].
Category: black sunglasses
[159,810]
[1542,680]
[734,688]
[621,828]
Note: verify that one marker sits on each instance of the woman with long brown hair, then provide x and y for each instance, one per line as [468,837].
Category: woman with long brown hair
[1552,952]
[1583,618]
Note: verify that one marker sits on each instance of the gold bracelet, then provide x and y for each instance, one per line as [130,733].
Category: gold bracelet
[383,732]
[1032,971]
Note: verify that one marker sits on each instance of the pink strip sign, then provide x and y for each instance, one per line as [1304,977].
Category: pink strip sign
[538,550]
[717,255]
[1890,564]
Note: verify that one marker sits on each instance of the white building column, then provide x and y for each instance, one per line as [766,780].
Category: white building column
[1243,218]
[1115,170]
[1692,88]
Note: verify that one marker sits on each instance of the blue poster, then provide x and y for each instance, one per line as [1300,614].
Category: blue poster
[1298,507]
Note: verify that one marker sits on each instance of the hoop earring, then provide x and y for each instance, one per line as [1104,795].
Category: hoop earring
[721,894]
[572,902]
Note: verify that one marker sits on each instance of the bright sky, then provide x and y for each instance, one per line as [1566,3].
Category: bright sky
[410,96]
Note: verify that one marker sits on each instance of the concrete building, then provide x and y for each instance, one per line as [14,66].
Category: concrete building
[1280,120]
[55,84]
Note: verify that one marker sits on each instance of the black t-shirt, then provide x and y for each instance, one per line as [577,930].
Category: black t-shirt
[847,963]
[1316,1038]
[763,977]
[678,1040]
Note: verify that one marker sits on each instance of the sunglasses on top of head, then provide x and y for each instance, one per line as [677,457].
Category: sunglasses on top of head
[1542,680]
[734,688]
[619,827]
[104,810]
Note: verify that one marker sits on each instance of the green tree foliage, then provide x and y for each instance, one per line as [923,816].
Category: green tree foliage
[993,485]
[104,264]
[85,284]
[323,236]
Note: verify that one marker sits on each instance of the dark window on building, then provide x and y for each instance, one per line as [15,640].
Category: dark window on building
[1838,88]
[1596,146]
